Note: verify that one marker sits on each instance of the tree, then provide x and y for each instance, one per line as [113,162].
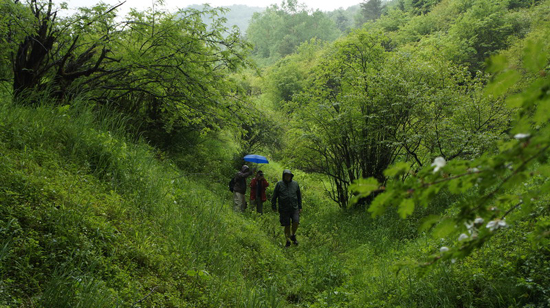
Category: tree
[514,4]
[371,10]
[342,21]
[344,18]
[15,24]
[52,56]
[341,125]
[167,73]
[259,132]
[423,6]
[363,108]
[176,74]
[481,31]
[498,189]
[393,19]
[278,31]
[288,76]
[451,117]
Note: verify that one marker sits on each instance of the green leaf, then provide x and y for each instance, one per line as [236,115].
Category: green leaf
[378,206]
[428,194]
[63,109]
[543,112]
[544,170]
[500,85]
[515,101]
[460,185]
[428,222]
[365,186]
[454,186]
[406,208]
[516,181]
[523,125]
[398,169]
[534,58]
[444,228]
[497,63]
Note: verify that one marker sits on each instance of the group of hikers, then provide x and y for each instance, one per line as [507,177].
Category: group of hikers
[286,199]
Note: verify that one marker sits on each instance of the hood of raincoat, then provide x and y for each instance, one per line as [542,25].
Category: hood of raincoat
[286,171]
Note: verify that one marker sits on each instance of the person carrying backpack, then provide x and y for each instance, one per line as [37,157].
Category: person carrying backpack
[287,193]
[239,188]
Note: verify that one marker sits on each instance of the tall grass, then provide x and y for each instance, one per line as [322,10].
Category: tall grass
[91,218]
[147,226]
[261,297]
[70,289]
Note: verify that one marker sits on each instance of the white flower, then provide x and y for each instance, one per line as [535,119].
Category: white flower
[439,162]
[443,249]
[478,221]
[496,224]
[462,237]
[521,136]
[470,227]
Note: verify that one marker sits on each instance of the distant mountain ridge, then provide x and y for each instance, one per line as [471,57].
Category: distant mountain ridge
[238,15]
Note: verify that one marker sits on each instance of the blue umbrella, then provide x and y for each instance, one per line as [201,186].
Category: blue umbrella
[253,158]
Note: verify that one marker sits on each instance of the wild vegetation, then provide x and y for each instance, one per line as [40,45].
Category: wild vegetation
[419,135]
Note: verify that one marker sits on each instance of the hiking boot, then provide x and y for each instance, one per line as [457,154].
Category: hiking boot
[287,244]
[293,238]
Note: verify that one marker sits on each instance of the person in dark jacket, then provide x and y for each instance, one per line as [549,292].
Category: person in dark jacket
[257,191]
[239,189]
[287,193]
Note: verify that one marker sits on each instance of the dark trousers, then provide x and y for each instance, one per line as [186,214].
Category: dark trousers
[259,205]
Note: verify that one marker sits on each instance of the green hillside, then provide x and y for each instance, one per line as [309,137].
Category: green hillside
[420,142]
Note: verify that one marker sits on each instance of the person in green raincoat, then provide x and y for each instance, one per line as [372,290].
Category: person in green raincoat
[287,200]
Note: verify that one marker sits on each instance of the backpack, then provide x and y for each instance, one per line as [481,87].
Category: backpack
[231,184]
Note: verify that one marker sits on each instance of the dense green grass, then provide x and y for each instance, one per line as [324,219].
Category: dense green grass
[91,217]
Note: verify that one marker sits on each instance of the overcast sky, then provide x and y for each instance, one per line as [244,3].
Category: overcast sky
[323,5]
